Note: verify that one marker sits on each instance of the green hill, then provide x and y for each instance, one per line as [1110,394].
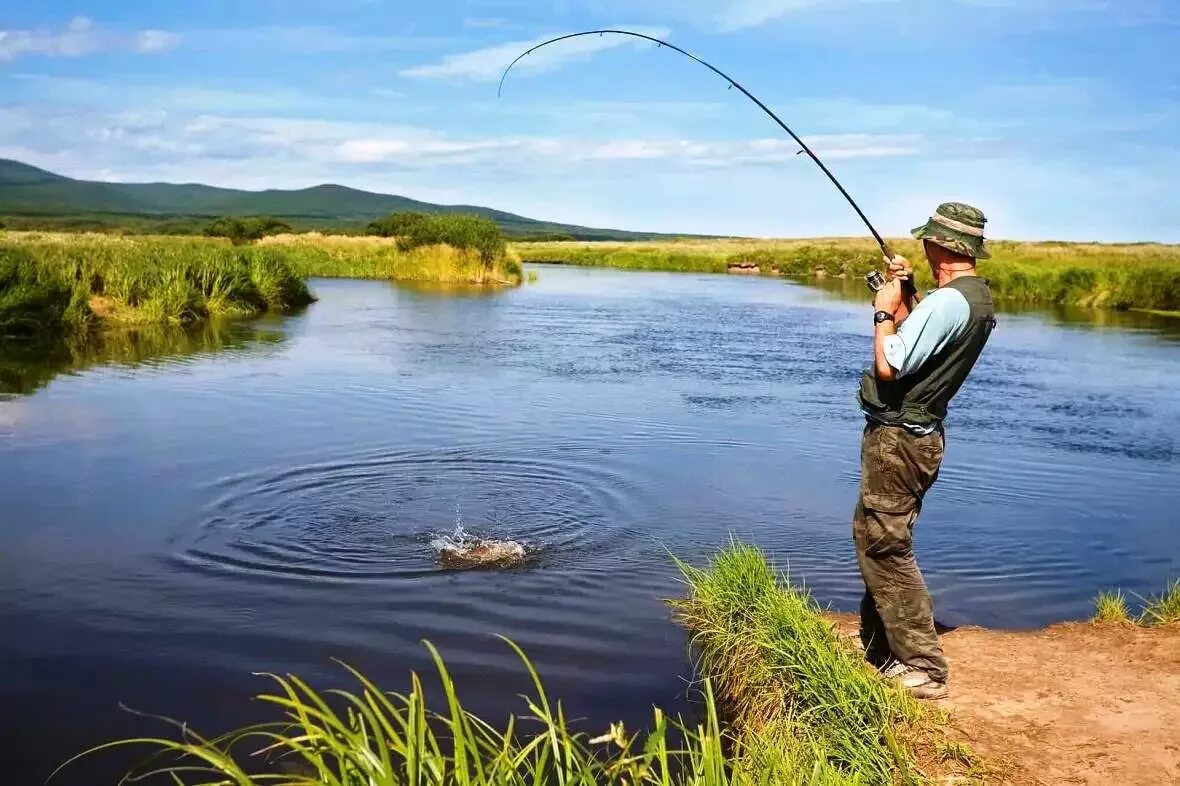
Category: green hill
[34,195]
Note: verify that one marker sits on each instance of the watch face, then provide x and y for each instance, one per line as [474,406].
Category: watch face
[881,316]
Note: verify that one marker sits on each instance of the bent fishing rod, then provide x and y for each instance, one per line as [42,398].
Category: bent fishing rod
[805,148]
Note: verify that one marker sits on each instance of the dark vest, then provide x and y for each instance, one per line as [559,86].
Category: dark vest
[921,398]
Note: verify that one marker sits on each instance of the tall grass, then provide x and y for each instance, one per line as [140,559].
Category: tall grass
[149,280]
[783,675]
[55,281]
[1162,609]
[1140,276]
[1111,607]
[338,256]
[367,737]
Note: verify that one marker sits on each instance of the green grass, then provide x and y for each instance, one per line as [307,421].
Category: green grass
[367,737]
[1111,607]
[1131,276]
[783,675]
[784,702]
[147,280]
[1162,609]
[377,257]
[52,282]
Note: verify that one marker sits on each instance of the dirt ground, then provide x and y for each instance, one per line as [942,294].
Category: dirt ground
[1076,703]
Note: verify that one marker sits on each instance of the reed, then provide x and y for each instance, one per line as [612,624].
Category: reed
[367,737]
[1142,276]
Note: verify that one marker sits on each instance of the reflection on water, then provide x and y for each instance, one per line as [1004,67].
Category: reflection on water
[27,365]
[450,289]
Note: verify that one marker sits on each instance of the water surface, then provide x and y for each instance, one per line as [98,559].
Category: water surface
[180,513]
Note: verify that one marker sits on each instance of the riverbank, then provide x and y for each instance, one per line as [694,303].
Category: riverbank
[55,282]
[785,700]
[1131,276]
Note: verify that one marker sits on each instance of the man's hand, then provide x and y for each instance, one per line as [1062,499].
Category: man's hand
[900,267]
[889,297]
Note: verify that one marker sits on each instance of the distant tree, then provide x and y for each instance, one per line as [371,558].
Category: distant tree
[397,224]
[241,231]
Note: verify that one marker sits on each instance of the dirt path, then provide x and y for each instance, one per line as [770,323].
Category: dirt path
[1073,704]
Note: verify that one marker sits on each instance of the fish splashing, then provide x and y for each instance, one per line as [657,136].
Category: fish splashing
[460,550]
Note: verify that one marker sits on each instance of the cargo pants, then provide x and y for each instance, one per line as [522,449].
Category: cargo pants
[897,468]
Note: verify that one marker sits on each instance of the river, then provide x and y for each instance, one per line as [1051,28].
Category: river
[262,497]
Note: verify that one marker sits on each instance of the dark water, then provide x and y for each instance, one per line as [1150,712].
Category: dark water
[180,510]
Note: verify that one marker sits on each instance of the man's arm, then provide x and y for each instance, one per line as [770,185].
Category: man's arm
[900,267]
[890,299]
[935,322]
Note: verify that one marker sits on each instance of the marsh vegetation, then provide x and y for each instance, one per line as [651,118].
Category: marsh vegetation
[59,282]
[1130,276]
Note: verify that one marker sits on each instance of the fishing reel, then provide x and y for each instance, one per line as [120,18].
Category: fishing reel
[876,279]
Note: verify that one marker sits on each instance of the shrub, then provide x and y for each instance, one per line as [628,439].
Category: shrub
[461,230]
[241,231]
[396,224]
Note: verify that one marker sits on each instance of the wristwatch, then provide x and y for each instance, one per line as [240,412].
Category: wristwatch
[882,316]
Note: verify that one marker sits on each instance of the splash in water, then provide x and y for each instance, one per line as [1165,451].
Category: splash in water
[461,550]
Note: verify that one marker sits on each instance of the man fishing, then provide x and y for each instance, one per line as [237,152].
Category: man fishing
[922,356]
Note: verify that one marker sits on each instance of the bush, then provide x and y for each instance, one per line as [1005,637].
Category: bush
[461,230]
[396,224]
[246,230]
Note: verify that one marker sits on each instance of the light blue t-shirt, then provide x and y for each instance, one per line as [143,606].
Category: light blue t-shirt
[943,316]
[939,319]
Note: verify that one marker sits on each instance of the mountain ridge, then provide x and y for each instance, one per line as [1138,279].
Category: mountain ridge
[31,192]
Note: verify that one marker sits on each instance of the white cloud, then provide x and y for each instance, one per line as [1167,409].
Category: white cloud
[81,37]
[149,41]
[486,65]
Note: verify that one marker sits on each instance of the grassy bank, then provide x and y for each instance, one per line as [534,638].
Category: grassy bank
[339,256]
[786,681]
[50,283]
[58,282]
[784,702]
[1140,276]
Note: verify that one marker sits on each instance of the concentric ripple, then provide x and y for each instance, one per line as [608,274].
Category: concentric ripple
[373,516]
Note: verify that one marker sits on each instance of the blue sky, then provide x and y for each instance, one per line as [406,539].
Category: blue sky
[1060,118]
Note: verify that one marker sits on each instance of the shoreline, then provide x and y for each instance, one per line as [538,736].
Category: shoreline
[1116,277]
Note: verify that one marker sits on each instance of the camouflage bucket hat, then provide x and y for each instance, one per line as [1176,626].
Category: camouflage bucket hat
[956,227]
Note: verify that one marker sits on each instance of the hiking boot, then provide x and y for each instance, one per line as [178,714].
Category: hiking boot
[894,668]
[919,684]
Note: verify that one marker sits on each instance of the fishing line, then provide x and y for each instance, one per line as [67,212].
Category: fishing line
[805,148]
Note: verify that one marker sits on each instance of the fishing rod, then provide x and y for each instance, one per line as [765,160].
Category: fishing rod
[805,148]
